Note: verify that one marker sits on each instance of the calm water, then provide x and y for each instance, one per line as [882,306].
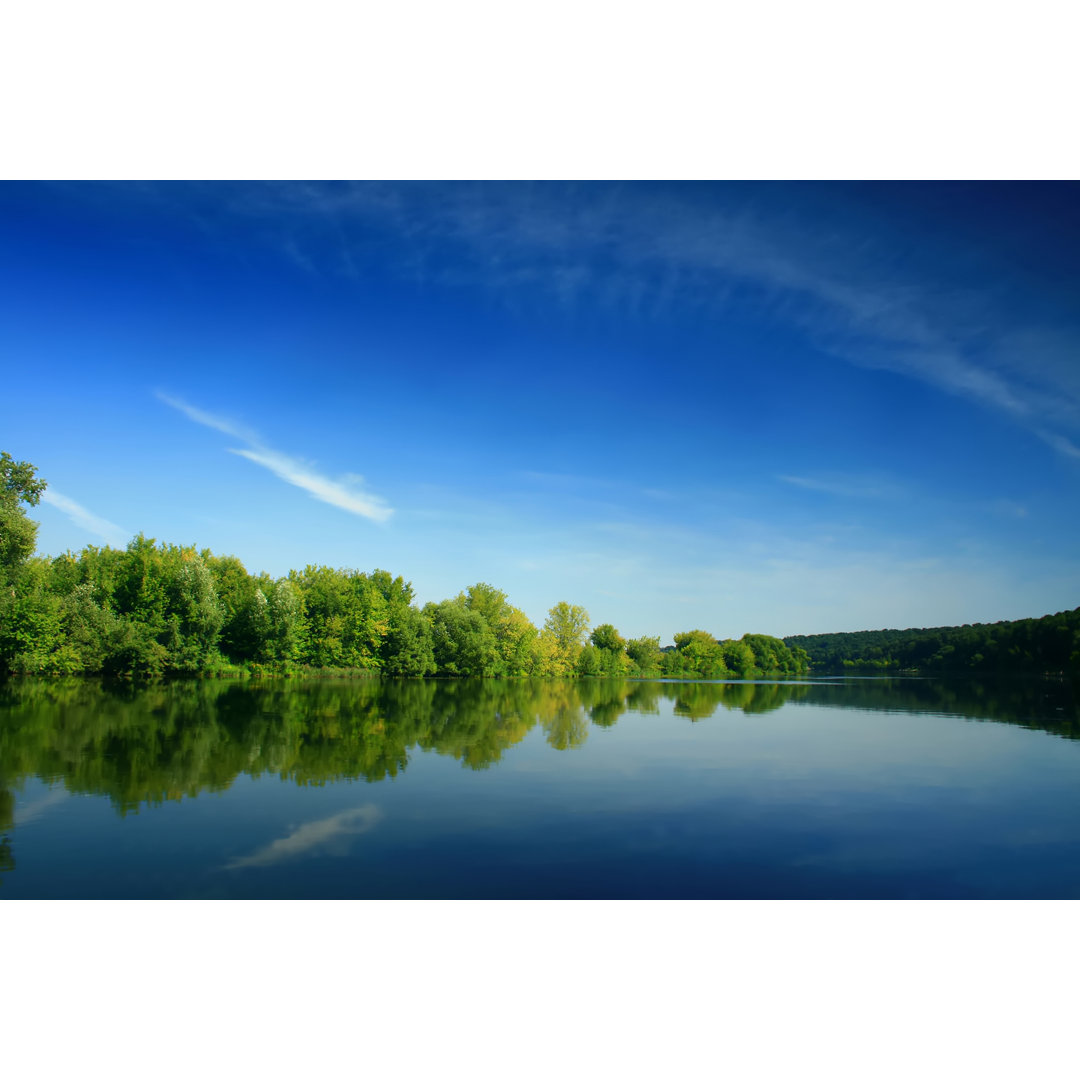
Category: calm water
[830,789]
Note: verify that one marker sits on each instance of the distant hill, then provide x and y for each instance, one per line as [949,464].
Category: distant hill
[1049,644]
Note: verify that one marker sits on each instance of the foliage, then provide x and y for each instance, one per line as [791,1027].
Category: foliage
[567,624]
[18,534]
[697,655]
[27,615]
[608,653]
[1047,645]
[645,656]
[464,642]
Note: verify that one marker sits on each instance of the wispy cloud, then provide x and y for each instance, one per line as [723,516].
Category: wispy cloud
[641,252]
[91,523]
[309,838]
[1060,443]
[344,493]
[200,416]
[1009,508]
[303,476]
[27,812]
[849,487]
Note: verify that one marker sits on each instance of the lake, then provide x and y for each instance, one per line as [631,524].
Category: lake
[823,788]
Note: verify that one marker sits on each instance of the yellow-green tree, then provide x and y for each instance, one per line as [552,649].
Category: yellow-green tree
[567,624]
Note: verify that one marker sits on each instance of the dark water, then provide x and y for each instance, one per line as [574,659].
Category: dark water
[829,789]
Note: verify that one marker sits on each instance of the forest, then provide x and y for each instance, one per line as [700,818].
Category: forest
[1040,646]
[153,610]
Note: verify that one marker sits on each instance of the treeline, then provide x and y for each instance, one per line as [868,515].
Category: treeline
[154,610]
[1039,646]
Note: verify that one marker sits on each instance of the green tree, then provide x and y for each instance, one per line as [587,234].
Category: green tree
[698,654]
[463,642]
[605,636]
[514,634]
[280,618]
[646,657]
[409,649]
[590,661]
[487,601]
[771,655]
[195,616]
[567,624]
[346,617]
[19,483]
[18,534]
[739,658]
[516,637]
[609,644]
[32,624]
[28,623]
[235,589]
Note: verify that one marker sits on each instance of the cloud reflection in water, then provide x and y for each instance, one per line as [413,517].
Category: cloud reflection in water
[305,839]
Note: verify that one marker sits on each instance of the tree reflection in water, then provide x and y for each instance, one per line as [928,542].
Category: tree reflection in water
[7,822]
[145,745]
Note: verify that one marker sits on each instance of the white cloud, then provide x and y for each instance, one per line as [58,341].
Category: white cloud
[853,487]
[91,523]
[306,839]
[343,493]
[218,423]
[294,471]
[27,812]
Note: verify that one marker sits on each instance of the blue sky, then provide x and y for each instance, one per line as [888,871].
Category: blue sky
[780,408]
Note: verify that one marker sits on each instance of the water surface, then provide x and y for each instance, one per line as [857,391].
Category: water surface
[518,788]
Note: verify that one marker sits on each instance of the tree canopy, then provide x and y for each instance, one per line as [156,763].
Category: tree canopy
[18,534]
[1045,645]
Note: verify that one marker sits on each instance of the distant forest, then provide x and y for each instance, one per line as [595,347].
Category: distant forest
[158,609]
[1047,645]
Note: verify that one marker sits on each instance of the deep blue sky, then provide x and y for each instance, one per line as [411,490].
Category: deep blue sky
[782,408]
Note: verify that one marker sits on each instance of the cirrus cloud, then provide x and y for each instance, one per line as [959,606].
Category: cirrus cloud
[345,493]
[90,522]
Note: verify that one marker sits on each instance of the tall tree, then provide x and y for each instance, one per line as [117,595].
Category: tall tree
[567,624]
[19,483]
[21,624]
